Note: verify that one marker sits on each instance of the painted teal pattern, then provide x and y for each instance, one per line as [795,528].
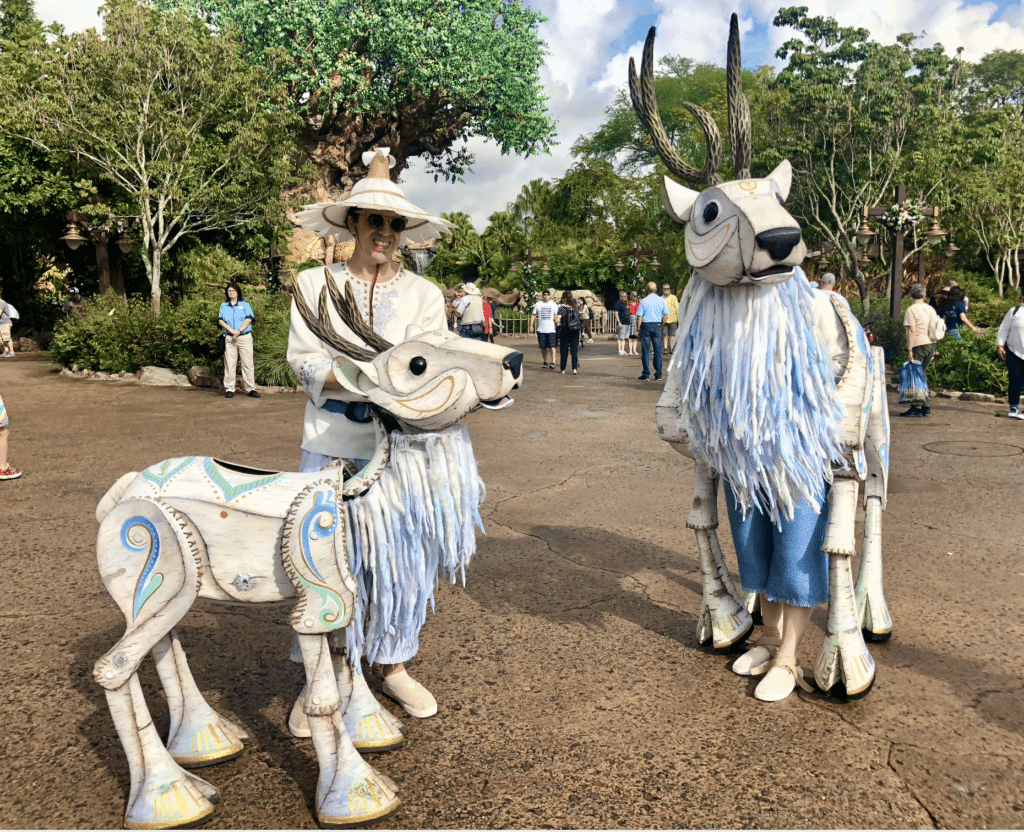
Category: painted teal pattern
[148,583]
[233,492]
[332,606]
[162,473]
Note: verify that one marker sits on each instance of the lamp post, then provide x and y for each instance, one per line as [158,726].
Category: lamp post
[527,263]
[637,257]
[933,236]
[79,231]
[270,271]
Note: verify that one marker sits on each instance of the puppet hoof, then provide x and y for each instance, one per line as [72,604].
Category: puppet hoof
[168,804]
[875,638]
[368,800]
[370,727]
[213,742]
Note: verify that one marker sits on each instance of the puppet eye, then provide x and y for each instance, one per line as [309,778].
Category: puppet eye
[710,212]
[418,366]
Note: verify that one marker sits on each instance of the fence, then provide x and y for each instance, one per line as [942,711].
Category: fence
[517,324]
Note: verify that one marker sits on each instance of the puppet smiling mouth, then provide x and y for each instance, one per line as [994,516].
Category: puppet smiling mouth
[774,270]
[498,404]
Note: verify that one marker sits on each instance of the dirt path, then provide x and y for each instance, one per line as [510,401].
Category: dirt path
[572,692]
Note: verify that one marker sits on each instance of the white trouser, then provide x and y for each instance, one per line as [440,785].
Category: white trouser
[238,350]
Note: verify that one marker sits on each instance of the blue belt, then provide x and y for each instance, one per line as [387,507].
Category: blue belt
[360,412]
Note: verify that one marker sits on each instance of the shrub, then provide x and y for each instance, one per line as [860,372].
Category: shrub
[970,365]
[270,342]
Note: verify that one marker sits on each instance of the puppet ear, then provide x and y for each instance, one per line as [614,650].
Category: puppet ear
[677,200]
[412,331]
[783,177]
[353,377]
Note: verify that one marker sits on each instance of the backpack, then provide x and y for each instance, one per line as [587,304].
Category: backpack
[936,329]
[571,319]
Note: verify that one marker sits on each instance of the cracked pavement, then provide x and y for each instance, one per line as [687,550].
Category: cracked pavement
[571,690]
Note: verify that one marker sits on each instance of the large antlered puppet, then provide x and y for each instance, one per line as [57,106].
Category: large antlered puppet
[774,391]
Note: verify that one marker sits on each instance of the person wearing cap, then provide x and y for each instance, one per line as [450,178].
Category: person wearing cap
[337,423]
[74,301]
[471,316]
[668,336]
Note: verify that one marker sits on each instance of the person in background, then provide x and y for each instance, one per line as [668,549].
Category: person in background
[7,315]
[920,346]
[456,307]
[542,321]
[668,331]
[1010,346]
[651,314]
[568,336]
[621,309]
[828,284]
[236,319]
[471,316]
[634,332]
[953,312]
[585,320]
[7,471]
[489,322]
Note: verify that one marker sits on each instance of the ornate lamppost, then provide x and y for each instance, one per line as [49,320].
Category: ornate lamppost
[527,264]
[893,213]
[80,225]
[270,271]
[636,257]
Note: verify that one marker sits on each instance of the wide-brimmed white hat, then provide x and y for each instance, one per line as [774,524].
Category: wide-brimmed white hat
[374,192]
[470,289]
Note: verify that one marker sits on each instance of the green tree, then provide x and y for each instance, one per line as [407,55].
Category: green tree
[170,114]
[857,111]
[419,76]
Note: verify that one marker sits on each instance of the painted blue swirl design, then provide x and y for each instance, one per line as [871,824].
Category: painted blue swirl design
[148,583]
[311,529]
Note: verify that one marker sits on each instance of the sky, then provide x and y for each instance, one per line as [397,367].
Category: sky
[590,43]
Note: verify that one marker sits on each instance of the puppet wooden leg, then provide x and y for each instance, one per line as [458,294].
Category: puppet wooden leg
[875,622]
[844,660]
[163,795]
[724,620]
[198,736]
[349,791]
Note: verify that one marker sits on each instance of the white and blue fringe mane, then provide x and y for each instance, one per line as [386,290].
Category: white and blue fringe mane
[414,524]
[757,395]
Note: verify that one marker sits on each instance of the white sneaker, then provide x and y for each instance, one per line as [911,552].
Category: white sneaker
[1016,414]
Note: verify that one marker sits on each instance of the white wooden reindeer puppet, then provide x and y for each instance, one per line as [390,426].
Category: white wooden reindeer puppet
[196,527]
[774,391]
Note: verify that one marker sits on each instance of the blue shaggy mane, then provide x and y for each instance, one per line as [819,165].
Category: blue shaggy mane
[757,395]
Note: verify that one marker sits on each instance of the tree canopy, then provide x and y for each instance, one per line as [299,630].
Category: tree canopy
[418,76]
[187,134]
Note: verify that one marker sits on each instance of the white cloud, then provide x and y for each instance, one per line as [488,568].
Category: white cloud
[582,75]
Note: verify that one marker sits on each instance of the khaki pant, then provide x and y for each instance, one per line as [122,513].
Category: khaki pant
[238,350]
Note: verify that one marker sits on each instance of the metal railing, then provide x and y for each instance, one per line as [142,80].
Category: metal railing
[518,326]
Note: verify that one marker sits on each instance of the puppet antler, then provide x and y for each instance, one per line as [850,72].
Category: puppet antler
[641,91]
[347,307]
[739,108]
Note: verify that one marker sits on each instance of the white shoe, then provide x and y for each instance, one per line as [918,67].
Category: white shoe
[410,694]
[758,659]
[574,372]
[563,372]
[590,340]
[1015,414]
[780,681]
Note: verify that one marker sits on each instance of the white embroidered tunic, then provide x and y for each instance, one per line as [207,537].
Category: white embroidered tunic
[396,304]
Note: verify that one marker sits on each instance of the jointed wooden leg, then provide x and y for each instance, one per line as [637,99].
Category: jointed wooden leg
[844,658]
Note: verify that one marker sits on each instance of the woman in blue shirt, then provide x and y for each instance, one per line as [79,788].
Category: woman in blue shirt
[236,320]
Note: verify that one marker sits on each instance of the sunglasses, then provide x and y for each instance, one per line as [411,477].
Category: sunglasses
[377,221]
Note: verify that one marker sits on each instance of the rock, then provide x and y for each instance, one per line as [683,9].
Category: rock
[74,368]
[950,394]
[977,397]
[64,371]
[162,377]
[26,345]
[199,376]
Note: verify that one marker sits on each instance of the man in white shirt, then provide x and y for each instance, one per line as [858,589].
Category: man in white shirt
[542,321]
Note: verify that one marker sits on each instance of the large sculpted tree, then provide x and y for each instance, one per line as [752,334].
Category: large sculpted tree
[192,136]
[419,76]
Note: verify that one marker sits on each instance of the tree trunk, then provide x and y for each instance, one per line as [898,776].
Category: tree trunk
[154,280]
[103,263]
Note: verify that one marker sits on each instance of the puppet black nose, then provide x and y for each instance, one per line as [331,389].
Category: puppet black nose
[514,363]
[778,242]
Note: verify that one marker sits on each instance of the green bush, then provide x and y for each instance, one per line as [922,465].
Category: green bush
[970,365]
[113,337]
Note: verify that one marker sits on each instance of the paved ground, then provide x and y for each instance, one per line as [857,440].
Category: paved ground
[572,692]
